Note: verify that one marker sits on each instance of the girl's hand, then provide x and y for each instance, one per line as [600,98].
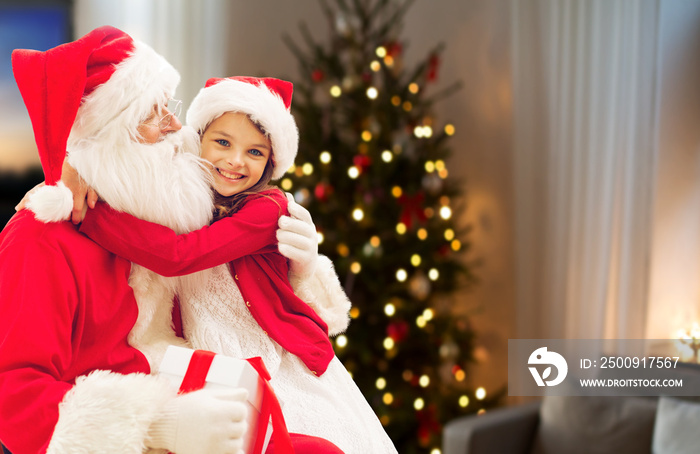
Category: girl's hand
[298,240]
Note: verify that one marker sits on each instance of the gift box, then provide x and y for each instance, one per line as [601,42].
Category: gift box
[224,371]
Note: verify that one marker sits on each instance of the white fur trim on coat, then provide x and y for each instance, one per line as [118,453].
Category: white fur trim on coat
[260,104]
[108,413]
[51,203]
[323,292]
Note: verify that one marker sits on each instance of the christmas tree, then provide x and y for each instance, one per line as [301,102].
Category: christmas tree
[372,171]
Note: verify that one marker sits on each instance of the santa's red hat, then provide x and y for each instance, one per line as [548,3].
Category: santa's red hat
[267,101]
[105,82]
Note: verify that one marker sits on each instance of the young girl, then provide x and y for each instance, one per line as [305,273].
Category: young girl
[246,306]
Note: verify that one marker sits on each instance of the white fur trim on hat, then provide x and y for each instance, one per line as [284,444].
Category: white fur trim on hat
[139,82]
[51,203]
[260,104]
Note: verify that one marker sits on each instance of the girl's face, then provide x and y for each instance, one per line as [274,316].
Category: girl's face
[238,151]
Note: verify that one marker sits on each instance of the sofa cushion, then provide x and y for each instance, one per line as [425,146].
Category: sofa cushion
[676,428]
[595,425]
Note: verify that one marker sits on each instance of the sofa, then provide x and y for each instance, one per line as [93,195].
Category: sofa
[585,425]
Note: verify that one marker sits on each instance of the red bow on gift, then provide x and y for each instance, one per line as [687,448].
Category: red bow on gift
[196,377]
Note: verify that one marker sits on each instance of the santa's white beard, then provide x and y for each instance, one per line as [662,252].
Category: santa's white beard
[166,183]
[160,182]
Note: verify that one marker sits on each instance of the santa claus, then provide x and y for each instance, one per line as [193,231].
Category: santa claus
[83,328]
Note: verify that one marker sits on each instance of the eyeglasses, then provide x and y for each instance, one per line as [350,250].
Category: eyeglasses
[174,107]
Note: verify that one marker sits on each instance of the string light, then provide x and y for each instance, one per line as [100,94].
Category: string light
[388,343]
[380,383]
[366,135]
[292,169]
[449,129]
[445,212]
[422,234]
[341,341]
[428,314]
[435,451]
[389,309]
[442,173]
[388,398]
[456,245]
[415,260]
[413,88]
[460,375]
[375,66]
[401,275]
[353,172]
[325,157]
[343,250]
[418,404]
[307,168]
[407,106]
[336,91]
[400,228]
[358,214]
[354,312]
[433,274]
[449,234]
[389,61]
[396,191]
[387,156]
[286,184]
[463,401]
[440,165]
[320,237]
[429,166]
[480,393]
[381,51]
[375,241]
[372,93]
[421,321]
[424,381]
[396,100]
[355,268]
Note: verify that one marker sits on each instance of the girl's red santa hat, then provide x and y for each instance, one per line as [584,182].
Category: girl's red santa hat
[100,86]
[266,101]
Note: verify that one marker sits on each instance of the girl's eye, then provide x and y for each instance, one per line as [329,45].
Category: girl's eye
[222,142]
[255,152]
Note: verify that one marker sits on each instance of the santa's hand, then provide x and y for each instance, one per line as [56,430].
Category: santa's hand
[81,192]
[298,240]
[211,421]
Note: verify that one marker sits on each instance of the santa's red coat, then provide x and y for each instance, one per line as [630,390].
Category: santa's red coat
[66,310]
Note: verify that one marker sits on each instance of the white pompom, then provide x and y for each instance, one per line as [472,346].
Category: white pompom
[51,203]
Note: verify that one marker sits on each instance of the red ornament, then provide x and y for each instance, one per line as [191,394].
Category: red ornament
[393,48]
[317,75]
[323,191]
[397,331]
[362,162]
[433,63]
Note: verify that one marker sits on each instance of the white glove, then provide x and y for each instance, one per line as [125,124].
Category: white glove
[298,240]
[211,421]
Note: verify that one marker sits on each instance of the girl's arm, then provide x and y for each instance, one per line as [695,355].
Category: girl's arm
[160,249]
